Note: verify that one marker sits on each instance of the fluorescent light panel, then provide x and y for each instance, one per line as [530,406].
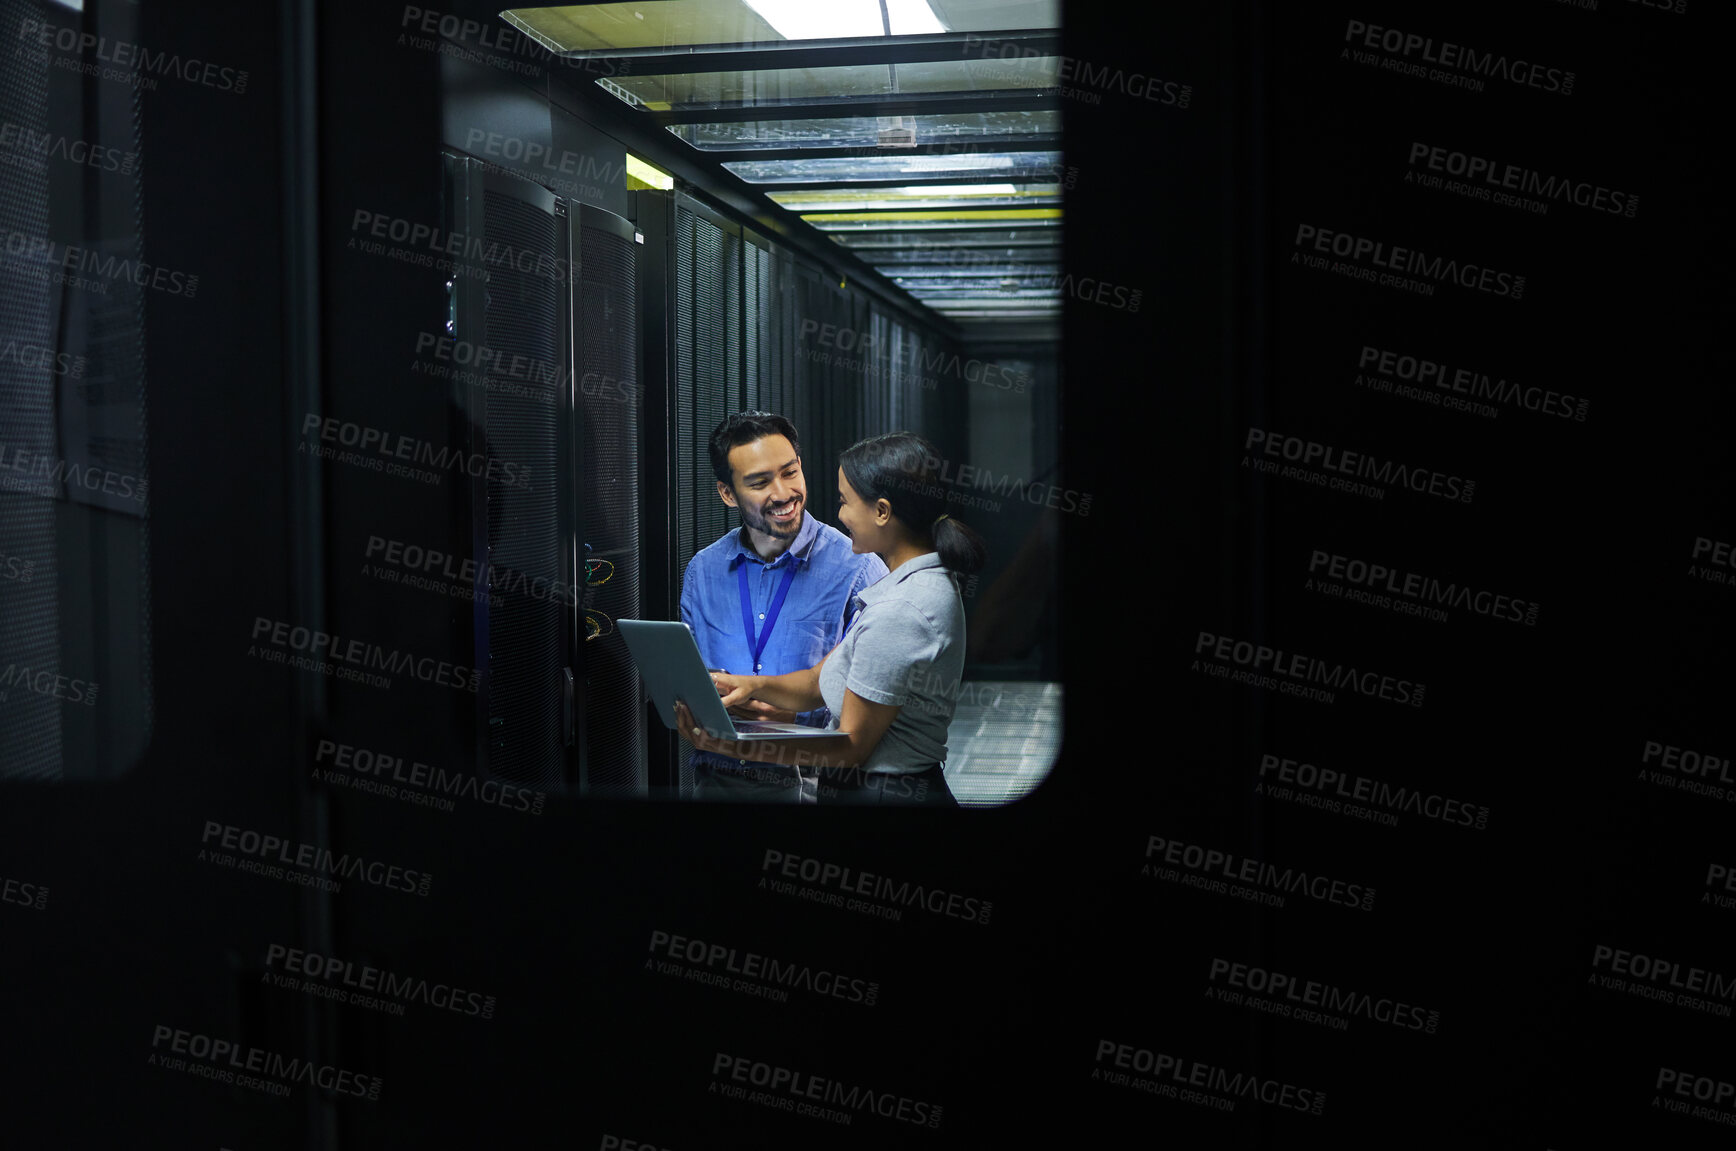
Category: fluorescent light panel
[839,19]
[648,174]
[958,162]
[839,197]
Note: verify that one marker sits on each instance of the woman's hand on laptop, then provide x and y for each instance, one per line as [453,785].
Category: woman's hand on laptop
[763,712]
[703,740]
[746,706]
[794,692]
[737,690]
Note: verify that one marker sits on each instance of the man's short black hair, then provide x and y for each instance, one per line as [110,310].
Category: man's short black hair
[745,428]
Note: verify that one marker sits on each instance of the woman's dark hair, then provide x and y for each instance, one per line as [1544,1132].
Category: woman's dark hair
[745,428]
[903,469]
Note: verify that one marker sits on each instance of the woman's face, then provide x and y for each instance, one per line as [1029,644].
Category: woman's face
[864,524]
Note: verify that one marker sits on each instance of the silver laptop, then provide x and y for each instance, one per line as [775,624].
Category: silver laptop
[669,660]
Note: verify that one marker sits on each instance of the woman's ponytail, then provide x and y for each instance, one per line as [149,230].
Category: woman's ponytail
[960,548]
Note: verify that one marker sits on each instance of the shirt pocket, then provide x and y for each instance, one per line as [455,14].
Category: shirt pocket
[808,639]
[722,647]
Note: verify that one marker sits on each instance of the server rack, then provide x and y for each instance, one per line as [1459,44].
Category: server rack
[506,301]
[606,545]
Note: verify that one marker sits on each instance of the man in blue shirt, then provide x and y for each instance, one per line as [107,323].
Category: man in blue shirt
[770,598]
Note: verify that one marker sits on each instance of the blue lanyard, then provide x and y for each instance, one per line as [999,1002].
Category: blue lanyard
[759,645]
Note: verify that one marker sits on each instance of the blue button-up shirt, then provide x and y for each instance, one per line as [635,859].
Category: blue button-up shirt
[813,619]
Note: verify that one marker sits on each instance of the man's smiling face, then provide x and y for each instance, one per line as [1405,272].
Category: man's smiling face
[768,486]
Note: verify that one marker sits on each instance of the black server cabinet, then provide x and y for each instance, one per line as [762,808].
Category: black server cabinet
[662,460]
[77,682]
[708,343]
[606,553]
[509,295]
[544,302]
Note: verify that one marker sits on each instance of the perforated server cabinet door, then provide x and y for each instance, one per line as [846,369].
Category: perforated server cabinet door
[708,368]
[709,355]
[512,302]
[77,664]
[608,394]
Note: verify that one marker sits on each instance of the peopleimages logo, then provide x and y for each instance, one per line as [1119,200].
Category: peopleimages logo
[1662,980]
[43,475]
[1136,85]
[227,1061]
[617,1143]
[304,863]
[1677,7]
[21,894]
[414,782]
[1091,290]
[1720,875]
[1712,1095]
[310,649]
[471,362]
[1721,554]
[847,880]
[1292,996]
[1331,790]
[17,568]
[28,355]
[513,373]
[949,480]
[1458,65]
[930,365]
[935,694]
[363,985]
[45,260]
[1400,267]
[534,154]
[47,682]
[1338,470]
[129,60]
[1511,185]
[1686,770]
[381,450]
[369,232]
[1209,869]
[802,1093]
[1464,389]
[25,141]
[1174,1077]
[719,965]
[1410,593]
[1276,668]
[495,44]
[412,565]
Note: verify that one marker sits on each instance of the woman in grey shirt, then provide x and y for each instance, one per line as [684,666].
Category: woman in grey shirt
[892,682]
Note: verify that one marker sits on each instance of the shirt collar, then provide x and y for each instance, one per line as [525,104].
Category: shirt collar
[797,551]
[883,586]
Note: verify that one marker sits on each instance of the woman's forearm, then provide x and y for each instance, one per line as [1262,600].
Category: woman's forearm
[797,691]
[862,725]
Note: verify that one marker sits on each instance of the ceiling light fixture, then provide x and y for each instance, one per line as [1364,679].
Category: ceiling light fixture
[841,19]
